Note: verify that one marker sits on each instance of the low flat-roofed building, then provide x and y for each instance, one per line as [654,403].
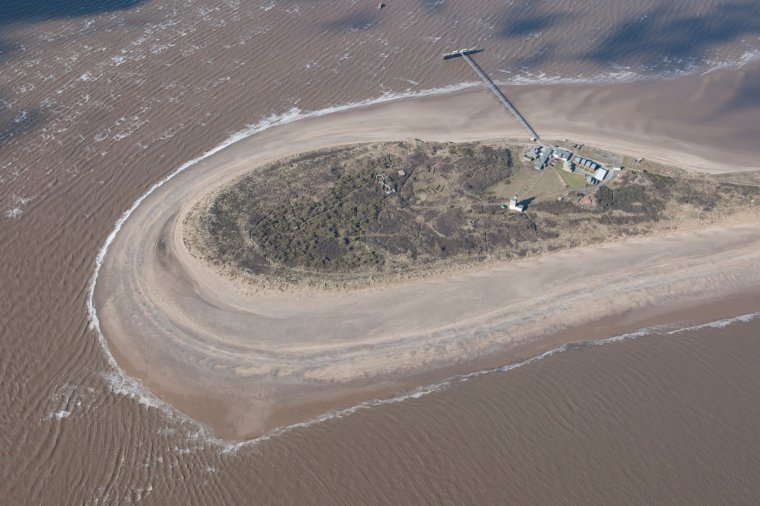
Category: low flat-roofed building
[600,174]
[562,153]
[543,159]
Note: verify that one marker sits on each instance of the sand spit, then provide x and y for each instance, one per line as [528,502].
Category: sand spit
[246,362]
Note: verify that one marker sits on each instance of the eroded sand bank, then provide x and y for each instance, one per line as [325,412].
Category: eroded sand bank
[243,362]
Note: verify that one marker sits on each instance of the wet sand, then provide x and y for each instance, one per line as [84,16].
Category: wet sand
[99,100]
[282,358]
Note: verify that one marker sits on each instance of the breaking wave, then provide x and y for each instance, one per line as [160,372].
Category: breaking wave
[228,447]
[123,384]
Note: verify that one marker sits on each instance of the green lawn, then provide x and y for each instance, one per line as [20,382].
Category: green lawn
[571,179]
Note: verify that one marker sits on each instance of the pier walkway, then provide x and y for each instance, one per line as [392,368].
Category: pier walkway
[496,91]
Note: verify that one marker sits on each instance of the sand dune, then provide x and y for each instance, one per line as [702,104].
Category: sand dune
[244,362]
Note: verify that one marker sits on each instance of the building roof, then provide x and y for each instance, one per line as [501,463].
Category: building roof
[544,158]
[600,174]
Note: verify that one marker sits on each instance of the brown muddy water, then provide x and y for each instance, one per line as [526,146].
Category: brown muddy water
[98,100]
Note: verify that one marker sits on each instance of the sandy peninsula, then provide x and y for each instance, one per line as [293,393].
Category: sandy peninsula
[244,361]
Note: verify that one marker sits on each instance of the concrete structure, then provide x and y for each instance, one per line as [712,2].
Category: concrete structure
[562,154]
[586,163]
[600,174]
[460,52]
[388,189]
[544,158]
[465,53]
[533,153]
[514,206]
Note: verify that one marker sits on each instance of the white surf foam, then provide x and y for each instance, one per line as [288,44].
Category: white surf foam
[17,208]
[121,383]
[746,58]
[624,74]
[61,414]
[228,447]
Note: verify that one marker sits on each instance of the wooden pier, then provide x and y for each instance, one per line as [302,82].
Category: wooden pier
[496,91]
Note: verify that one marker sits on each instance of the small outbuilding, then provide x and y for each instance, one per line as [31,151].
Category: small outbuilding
[514,206]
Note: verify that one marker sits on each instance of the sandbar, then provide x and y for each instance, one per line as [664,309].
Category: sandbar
[244,361]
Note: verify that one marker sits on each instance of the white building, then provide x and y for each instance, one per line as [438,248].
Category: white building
[600,174]
[514,206]
[562,154]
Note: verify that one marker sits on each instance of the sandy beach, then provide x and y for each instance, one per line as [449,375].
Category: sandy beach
[244,362]
[100,100]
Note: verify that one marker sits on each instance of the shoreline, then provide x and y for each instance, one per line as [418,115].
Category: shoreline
[648,323]
[165,271]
